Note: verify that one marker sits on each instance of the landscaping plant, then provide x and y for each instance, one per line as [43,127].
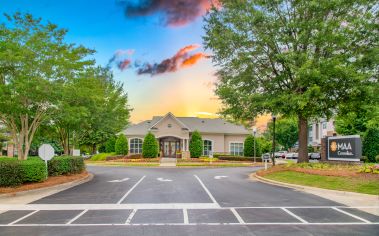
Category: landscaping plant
[196,145]
[121,146]
[150,146]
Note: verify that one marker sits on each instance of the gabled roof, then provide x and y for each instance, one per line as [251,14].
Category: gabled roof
[174,117]
[203,125]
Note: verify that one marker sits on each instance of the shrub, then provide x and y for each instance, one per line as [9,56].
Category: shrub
[248,147]
[14,172]
[110,145]
[196,145]
[150,146]
[371,144]
[377,159]
[239,158]
[101,156]
[10,172]
[65,165]
[34,170]
[121,146]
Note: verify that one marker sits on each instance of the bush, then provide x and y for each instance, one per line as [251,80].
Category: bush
[65,165]
[371,144]
[196,145]
[377,159]
[110,145]
[248,147]
[14,172]
[121,146]
[150,146]
[239,158]
[10,172]
[101,156]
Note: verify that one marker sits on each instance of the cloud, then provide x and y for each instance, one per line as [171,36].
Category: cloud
[173,12]
[181,59]
[119,58]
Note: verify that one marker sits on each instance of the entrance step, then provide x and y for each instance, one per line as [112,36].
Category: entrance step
[168,161]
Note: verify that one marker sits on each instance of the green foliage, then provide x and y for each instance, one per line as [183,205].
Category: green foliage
[196,145]
[65,165]
[371,144]
[102,156]
[297,58]
[121,146]
[14,172]
[238,158]
[286,131]
[110,144]
[150,146]
[248,147]
[265,144]
[370,168]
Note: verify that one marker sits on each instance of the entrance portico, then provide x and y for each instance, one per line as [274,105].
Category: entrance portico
[169,146]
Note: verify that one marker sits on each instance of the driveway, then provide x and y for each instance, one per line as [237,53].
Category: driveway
[182,201]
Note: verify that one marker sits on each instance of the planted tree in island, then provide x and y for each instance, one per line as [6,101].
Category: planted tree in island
[196,145]
[121,146]
[295,58]
[150,146]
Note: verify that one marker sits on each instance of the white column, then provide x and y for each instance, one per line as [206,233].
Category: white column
[187,146]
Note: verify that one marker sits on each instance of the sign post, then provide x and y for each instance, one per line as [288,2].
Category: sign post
[46,152]
[344,148]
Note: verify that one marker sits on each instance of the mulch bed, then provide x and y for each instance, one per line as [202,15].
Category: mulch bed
[51,181]
[341,172]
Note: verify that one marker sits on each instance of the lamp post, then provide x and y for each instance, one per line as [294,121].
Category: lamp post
[254,132]
[273,140]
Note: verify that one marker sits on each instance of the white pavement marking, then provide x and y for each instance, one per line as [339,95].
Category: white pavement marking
[352,215]
[206,190]
[294,215]
[118,180]
[76,217]
[25,216]
[164,180]
[239,218]
[130,190]
[185,216]
[220,176]
[131,216]
[190,224]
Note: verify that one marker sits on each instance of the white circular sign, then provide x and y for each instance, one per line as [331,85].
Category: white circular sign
[46,152]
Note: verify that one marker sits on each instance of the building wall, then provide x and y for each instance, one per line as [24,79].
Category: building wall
[218,141]
[320,130]
[170,127]
[233,138]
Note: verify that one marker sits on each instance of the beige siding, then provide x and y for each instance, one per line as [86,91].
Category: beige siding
[233,138]
[165,130]
[217,141]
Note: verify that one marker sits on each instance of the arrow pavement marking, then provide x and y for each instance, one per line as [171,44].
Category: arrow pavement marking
[220,176]
[164,180]
[118,180]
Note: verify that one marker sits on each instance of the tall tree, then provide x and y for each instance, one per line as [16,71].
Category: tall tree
[34,62]
[296,58]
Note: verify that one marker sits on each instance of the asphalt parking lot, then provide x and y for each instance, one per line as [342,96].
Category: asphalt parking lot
[182,201]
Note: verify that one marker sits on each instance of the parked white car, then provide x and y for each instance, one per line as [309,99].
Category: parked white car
[292,155]
[280,154]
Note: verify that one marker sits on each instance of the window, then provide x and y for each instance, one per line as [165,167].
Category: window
[236,149]
[207,148]
[324,125]
[136,146]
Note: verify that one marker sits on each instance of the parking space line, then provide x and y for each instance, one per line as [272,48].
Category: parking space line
[239,218]
[185,216]
[25,216]
[349,214]
[130,217]
[77,217]
[206,190]
[294,215]
[130,190]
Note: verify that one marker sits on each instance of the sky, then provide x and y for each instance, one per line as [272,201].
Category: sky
[154,47]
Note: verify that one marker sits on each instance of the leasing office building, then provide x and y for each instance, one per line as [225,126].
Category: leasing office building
[174,133]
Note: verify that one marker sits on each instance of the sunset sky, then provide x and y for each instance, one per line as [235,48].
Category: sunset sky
[154,48]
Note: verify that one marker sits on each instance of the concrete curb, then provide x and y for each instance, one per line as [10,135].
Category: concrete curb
[344,197]
[46,191]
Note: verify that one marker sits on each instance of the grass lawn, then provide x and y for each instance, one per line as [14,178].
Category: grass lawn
[343,183]
[215,164]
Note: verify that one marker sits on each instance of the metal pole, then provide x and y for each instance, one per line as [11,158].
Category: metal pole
[273,141]
[254,149]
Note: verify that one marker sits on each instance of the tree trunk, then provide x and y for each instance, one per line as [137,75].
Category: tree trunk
[303,139]
[64,140]
[93,148]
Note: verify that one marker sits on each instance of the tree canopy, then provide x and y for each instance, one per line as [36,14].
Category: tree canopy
[196,145]
[293,58]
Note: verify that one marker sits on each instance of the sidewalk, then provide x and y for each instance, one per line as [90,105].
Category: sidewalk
[168,162]
[369,203]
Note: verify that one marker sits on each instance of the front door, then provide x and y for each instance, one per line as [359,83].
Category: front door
[169,148]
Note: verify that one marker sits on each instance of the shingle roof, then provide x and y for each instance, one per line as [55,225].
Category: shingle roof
[203,125]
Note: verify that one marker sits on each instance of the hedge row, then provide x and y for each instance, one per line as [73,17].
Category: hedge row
[239,158]
[14,172]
